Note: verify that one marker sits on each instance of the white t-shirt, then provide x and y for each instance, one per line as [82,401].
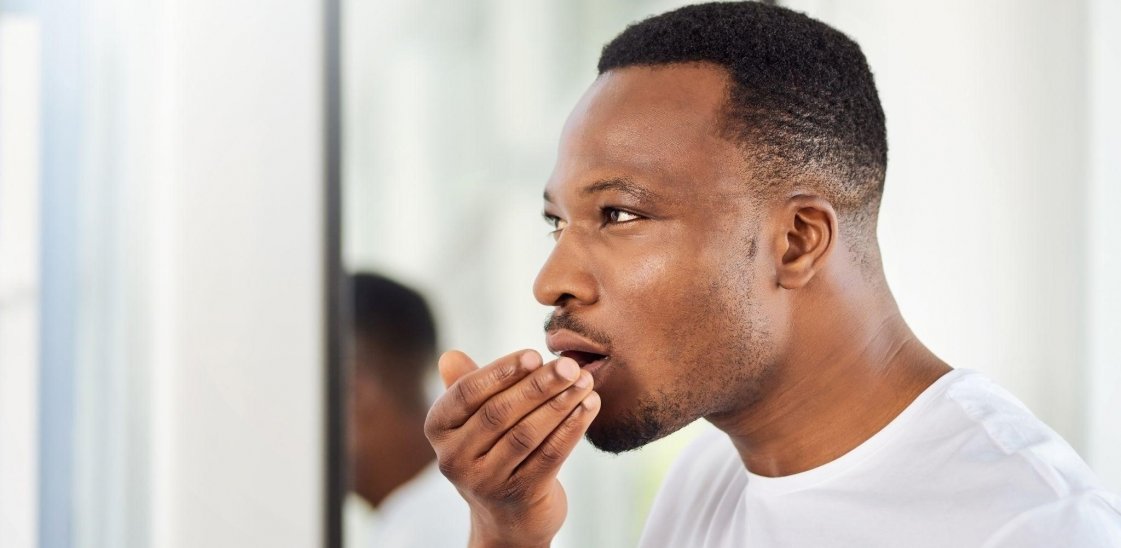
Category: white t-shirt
[425,512]
[966,464]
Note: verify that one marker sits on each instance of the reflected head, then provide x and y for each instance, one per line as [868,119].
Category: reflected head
[394,336]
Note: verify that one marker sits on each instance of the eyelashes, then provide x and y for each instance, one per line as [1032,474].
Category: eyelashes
[608,216]
[556,223]
[618,216]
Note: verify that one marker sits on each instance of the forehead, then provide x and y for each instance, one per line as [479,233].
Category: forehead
[659,126]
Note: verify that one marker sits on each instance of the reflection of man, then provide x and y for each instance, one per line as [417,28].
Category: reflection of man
[714,204]
[397,488]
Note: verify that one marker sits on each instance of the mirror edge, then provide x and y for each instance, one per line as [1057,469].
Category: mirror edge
[334,469]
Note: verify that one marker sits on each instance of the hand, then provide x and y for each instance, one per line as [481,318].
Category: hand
[501,434]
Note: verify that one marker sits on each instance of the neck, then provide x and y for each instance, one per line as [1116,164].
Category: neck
[846,375]
[398,455]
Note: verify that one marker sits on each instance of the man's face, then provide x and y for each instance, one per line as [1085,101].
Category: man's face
[658,263]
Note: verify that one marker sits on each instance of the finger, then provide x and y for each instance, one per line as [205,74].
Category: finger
[453,365]
[472,389]
[545,461]
[527,435]
[502,411]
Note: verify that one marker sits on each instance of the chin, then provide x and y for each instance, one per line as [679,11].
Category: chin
[617,434]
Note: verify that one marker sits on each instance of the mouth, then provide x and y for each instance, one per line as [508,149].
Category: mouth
[587,360]
[587,354]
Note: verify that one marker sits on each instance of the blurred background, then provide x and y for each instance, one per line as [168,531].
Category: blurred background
[166,217]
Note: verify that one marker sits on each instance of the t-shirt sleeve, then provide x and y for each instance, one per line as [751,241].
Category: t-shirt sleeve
[1091,519]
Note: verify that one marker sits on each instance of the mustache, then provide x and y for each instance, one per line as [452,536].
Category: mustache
[569,322]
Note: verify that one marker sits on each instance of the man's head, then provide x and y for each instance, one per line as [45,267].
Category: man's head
[720,178]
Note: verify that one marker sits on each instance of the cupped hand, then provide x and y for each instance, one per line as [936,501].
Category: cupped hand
[501,434]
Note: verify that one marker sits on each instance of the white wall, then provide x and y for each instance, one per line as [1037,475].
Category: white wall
[986,227]
[1103,242]
[183,256]
[238,391]
[19,273]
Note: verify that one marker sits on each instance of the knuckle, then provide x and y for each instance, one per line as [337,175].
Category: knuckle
[504,372]
[554,448]
[512,491]
[551,451]
[494,413]
[560,403]
[434,427]
[461,395]
[449,469]
[521,438]
[539,385]
[430,430]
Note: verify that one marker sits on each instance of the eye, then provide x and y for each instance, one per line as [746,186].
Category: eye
[617,216]
[556,223]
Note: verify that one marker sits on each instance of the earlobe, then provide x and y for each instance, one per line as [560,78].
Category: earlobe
[808,230]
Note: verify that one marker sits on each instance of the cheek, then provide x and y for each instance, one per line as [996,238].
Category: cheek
[664,300]
[643,288]
[648,274]
[696,304]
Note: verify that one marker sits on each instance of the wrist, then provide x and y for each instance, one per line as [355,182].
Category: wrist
[504,534]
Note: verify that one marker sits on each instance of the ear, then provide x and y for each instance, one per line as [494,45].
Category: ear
[807,230]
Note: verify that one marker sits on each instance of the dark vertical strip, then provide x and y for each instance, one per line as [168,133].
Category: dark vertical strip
[334,466]
[61,119]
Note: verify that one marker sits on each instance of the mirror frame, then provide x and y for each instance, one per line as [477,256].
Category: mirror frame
[334,289]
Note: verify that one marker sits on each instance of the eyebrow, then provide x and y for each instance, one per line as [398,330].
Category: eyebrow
[619,184]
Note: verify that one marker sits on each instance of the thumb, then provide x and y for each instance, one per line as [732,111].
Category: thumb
[455,364]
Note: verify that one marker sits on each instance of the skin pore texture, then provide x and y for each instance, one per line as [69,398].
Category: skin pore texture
[712,293]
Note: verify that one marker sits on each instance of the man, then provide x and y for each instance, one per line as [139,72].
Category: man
[714,203]
[395,483]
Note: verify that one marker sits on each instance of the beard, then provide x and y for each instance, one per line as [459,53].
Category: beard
[644,423]
[655,416]
[733,381]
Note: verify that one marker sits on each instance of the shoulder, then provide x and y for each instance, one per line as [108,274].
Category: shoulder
[1017,471]
[1088,519]
[1004,437]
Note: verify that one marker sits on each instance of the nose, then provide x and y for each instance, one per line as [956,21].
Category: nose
[566,278]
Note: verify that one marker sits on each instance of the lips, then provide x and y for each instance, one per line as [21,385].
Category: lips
[590,355]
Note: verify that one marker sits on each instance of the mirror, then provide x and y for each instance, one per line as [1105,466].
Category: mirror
[451,111]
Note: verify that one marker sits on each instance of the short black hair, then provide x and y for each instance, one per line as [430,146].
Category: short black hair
[395,322]
[802,100]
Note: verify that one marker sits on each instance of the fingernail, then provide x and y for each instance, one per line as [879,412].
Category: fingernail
[568,369]
[585,380]
[591,402]
[530,361]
